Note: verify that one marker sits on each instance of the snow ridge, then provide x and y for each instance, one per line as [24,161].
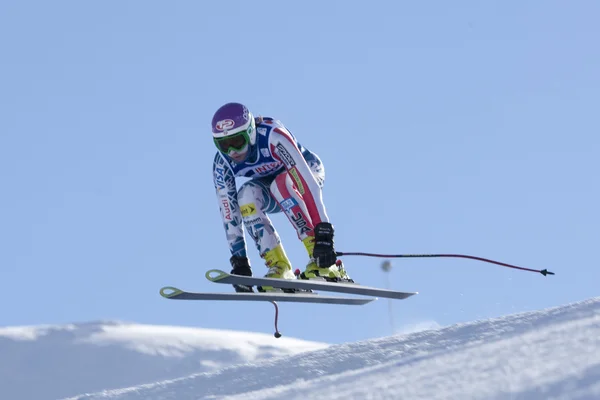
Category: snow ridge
[50,362]
[549,354]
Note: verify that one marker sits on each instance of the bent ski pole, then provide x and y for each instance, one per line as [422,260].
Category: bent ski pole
[543,271]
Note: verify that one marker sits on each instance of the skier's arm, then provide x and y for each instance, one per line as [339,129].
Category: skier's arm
[224,181]
[284,148]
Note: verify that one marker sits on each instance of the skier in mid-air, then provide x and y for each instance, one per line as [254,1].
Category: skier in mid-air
[285,176]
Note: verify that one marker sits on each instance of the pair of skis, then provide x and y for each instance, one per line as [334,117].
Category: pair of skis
[305,291]
[302,286]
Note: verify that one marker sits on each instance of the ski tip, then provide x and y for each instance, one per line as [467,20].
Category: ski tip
[546,272]
[170,291]
[215,275]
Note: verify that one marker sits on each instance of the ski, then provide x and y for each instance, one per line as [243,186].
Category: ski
[219,276]
[170,292]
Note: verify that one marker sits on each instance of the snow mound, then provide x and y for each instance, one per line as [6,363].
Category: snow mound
[547,354]
[50,362]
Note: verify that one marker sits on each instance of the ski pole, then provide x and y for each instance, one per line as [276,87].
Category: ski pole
[543,271]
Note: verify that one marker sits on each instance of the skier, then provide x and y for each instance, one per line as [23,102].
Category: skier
[284,176]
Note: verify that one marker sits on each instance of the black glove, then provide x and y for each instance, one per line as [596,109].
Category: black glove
[241,266]
[323,252]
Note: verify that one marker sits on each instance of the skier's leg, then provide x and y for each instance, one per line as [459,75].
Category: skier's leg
[284,190]
[289,198]
[255,202]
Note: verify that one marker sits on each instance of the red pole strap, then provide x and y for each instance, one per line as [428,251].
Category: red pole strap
[277,334]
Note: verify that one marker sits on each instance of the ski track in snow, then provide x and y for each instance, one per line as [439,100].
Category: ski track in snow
[550,354]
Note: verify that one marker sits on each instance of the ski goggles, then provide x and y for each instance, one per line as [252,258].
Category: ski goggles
[235,142]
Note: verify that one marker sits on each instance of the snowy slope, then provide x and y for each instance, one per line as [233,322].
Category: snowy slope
[49,362]
[549,354]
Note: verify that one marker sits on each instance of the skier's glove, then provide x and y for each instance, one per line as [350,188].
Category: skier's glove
[323,252]
[241,266]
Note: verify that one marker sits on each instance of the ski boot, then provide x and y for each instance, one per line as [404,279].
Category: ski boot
[323,262]
[241,266]
[279,267]
[334,273]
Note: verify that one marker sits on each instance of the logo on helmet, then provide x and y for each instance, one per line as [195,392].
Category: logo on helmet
[225,124]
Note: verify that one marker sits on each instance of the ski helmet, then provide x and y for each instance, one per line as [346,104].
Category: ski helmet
[233,128]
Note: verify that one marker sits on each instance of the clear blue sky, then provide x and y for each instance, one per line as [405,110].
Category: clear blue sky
[445,127]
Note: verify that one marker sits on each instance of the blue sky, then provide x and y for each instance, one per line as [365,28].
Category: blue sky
[445,127]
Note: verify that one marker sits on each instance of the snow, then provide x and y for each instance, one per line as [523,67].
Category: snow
[50,362]
[179,341]
[546,354]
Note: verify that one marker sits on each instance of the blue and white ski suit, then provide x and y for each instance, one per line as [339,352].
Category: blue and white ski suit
[284,176]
